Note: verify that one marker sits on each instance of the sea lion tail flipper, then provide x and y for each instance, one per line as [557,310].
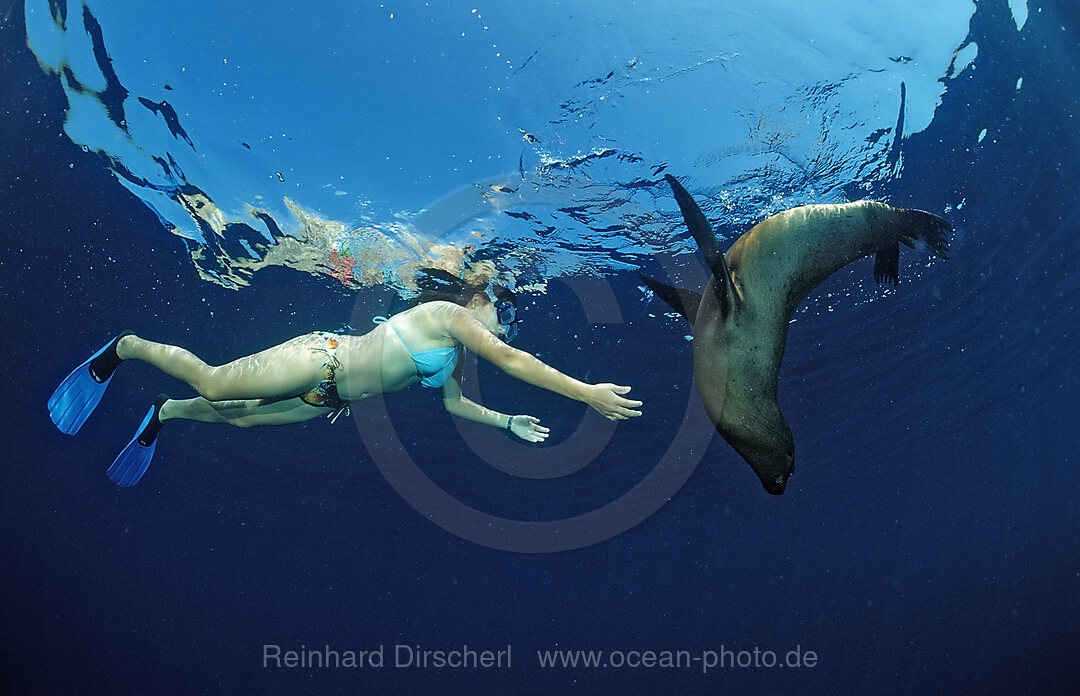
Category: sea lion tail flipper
[685,302]
[915,225]
[887,264]
[706,240]
[931,230]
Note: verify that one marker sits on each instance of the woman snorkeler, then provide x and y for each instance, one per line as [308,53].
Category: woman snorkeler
[320,373]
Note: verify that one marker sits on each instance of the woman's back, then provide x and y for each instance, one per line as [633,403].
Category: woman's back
[409,347]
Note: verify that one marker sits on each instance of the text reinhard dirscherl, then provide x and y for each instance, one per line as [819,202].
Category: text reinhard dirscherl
[399,656]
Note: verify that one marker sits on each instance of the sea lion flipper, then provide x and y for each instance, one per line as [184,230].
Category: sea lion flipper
[887,265]
[931,230]
[697,222]
[706,240]
[685,302]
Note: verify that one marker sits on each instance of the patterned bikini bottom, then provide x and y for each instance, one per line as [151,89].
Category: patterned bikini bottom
[325,394]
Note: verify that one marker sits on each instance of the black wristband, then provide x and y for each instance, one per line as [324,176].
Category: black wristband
[509,422]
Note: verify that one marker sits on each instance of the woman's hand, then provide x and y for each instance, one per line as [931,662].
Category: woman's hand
[606,399]
[528,428]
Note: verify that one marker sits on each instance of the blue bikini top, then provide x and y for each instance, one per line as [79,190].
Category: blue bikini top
[434,366]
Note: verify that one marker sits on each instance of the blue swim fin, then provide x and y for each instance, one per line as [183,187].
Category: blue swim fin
[130,465]
[78,395]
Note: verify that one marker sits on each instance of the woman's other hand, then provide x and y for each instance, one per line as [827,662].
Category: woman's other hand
[528,428]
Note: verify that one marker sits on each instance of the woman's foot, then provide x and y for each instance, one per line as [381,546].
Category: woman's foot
[148,434]
[102,367]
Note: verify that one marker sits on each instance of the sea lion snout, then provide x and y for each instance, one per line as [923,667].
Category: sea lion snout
[772,457]
[775,477]
[776,484]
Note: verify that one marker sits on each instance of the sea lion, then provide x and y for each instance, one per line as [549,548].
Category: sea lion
[741,321]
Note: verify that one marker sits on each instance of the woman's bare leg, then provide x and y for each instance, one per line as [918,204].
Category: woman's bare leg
[285,370]
[243,413]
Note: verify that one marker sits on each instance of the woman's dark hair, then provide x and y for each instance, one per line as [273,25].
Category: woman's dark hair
[437,284]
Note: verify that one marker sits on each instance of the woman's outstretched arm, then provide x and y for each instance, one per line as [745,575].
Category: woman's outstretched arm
[606,398]
[528,428]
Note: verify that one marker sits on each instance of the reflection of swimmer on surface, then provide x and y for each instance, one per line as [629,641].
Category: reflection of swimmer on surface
[320,373]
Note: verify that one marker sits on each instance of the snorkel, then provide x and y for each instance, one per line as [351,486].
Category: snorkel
[436,284]
[505,311]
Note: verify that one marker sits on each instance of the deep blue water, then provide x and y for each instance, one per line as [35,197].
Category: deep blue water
[927,543]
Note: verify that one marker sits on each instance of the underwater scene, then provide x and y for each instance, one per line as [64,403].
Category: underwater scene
[661,347]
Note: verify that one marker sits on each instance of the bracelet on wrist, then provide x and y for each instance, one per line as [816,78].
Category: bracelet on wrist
[509,422]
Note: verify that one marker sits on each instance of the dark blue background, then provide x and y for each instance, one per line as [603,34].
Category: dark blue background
[928,542]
